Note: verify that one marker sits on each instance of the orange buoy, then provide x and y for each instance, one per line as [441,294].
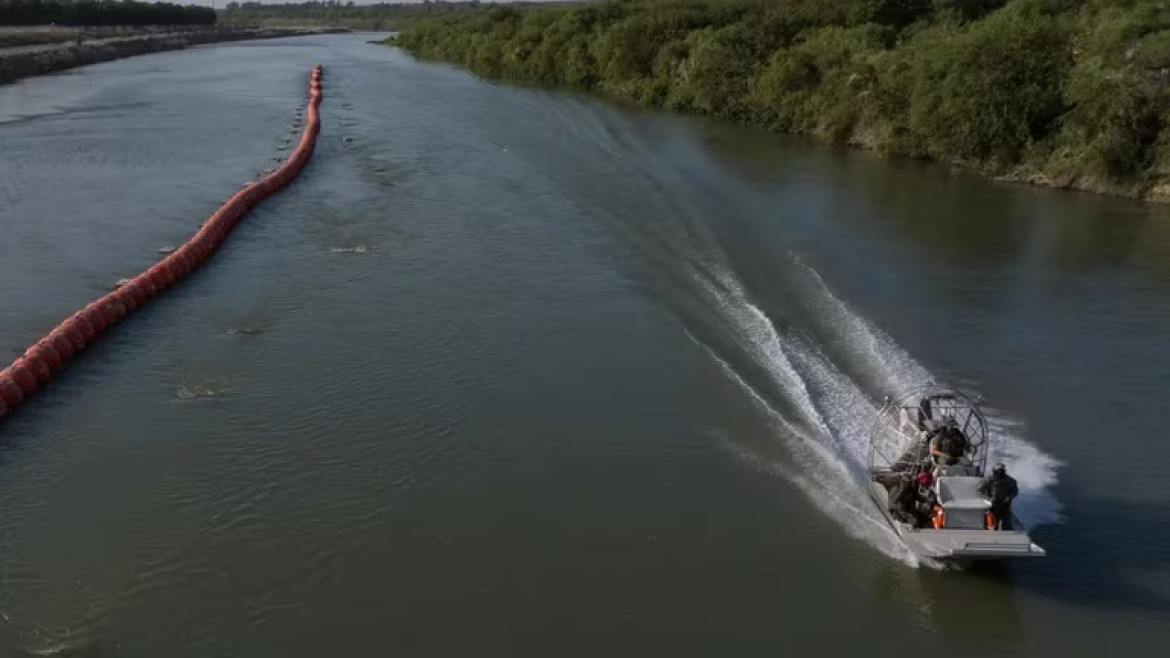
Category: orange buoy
[61,344]
[48,355]
[153,283]
[128,302]
[137,293]
[186,259]
[190,256]
[161,276]
[177,268]
[116,306]
[44,350]
[69,329]
[37,366]
[23,376]
[10,391]
[110,312]
[84,327]
[96,316]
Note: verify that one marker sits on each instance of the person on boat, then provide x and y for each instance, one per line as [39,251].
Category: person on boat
[1000,489]
[911,499]
[948,446]
[923,413]
[926,500]
[902,493]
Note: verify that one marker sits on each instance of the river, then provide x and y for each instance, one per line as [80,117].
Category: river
[536,374]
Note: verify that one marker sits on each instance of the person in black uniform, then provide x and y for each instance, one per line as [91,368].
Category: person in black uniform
[948,446]
[1000,489]
[911,499]
[902,499]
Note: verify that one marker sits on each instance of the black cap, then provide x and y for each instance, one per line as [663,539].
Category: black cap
[999,468]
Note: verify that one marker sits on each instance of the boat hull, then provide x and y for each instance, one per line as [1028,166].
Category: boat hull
[959,544]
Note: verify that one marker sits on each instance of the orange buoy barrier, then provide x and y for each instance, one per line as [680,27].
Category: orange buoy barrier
[46,357]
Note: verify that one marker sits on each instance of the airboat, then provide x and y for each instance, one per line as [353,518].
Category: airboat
[960,526]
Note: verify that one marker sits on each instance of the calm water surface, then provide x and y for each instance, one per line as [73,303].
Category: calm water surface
[599,381]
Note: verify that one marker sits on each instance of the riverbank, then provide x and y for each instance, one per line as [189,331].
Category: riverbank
[21,62]
[1057,94]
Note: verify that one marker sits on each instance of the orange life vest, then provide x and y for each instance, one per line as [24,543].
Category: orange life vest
[940,517]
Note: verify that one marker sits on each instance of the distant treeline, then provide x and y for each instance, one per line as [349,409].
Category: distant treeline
[1061,92]
[333,13]
[107,12]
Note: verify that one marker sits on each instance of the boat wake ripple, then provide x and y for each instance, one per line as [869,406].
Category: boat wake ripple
[824,416]
[817,376]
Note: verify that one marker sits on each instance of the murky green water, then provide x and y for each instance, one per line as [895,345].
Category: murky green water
[535,375]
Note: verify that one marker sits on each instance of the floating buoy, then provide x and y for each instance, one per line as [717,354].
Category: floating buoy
[23,376]
[61,344]
[43,361]
[71,333]
[10,392]
[36,366]
[48,354]
[84,329]
[135,294]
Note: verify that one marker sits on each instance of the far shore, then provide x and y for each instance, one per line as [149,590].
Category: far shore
[31,60]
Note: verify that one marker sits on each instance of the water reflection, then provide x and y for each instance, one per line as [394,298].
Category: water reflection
[1095,235]
[1100,555]
[973,608]
[953,217]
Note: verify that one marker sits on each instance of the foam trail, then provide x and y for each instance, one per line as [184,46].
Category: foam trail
[759,337]
[829,437]
[871,346]
[833,484]
[1033,469]
[848,412]
[835,492]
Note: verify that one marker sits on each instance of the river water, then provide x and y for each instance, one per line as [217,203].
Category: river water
[535,374]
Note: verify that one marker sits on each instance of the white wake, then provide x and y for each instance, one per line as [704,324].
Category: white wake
[828,425]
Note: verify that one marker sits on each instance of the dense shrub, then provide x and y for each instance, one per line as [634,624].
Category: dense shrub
[1076,90]
[821,83]
[102,12]
[378,16]
[984,92]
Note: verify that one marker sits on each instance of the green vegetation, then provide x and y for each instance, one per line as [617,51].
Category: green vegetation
[1071,93]
[102,12]
[334,13]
